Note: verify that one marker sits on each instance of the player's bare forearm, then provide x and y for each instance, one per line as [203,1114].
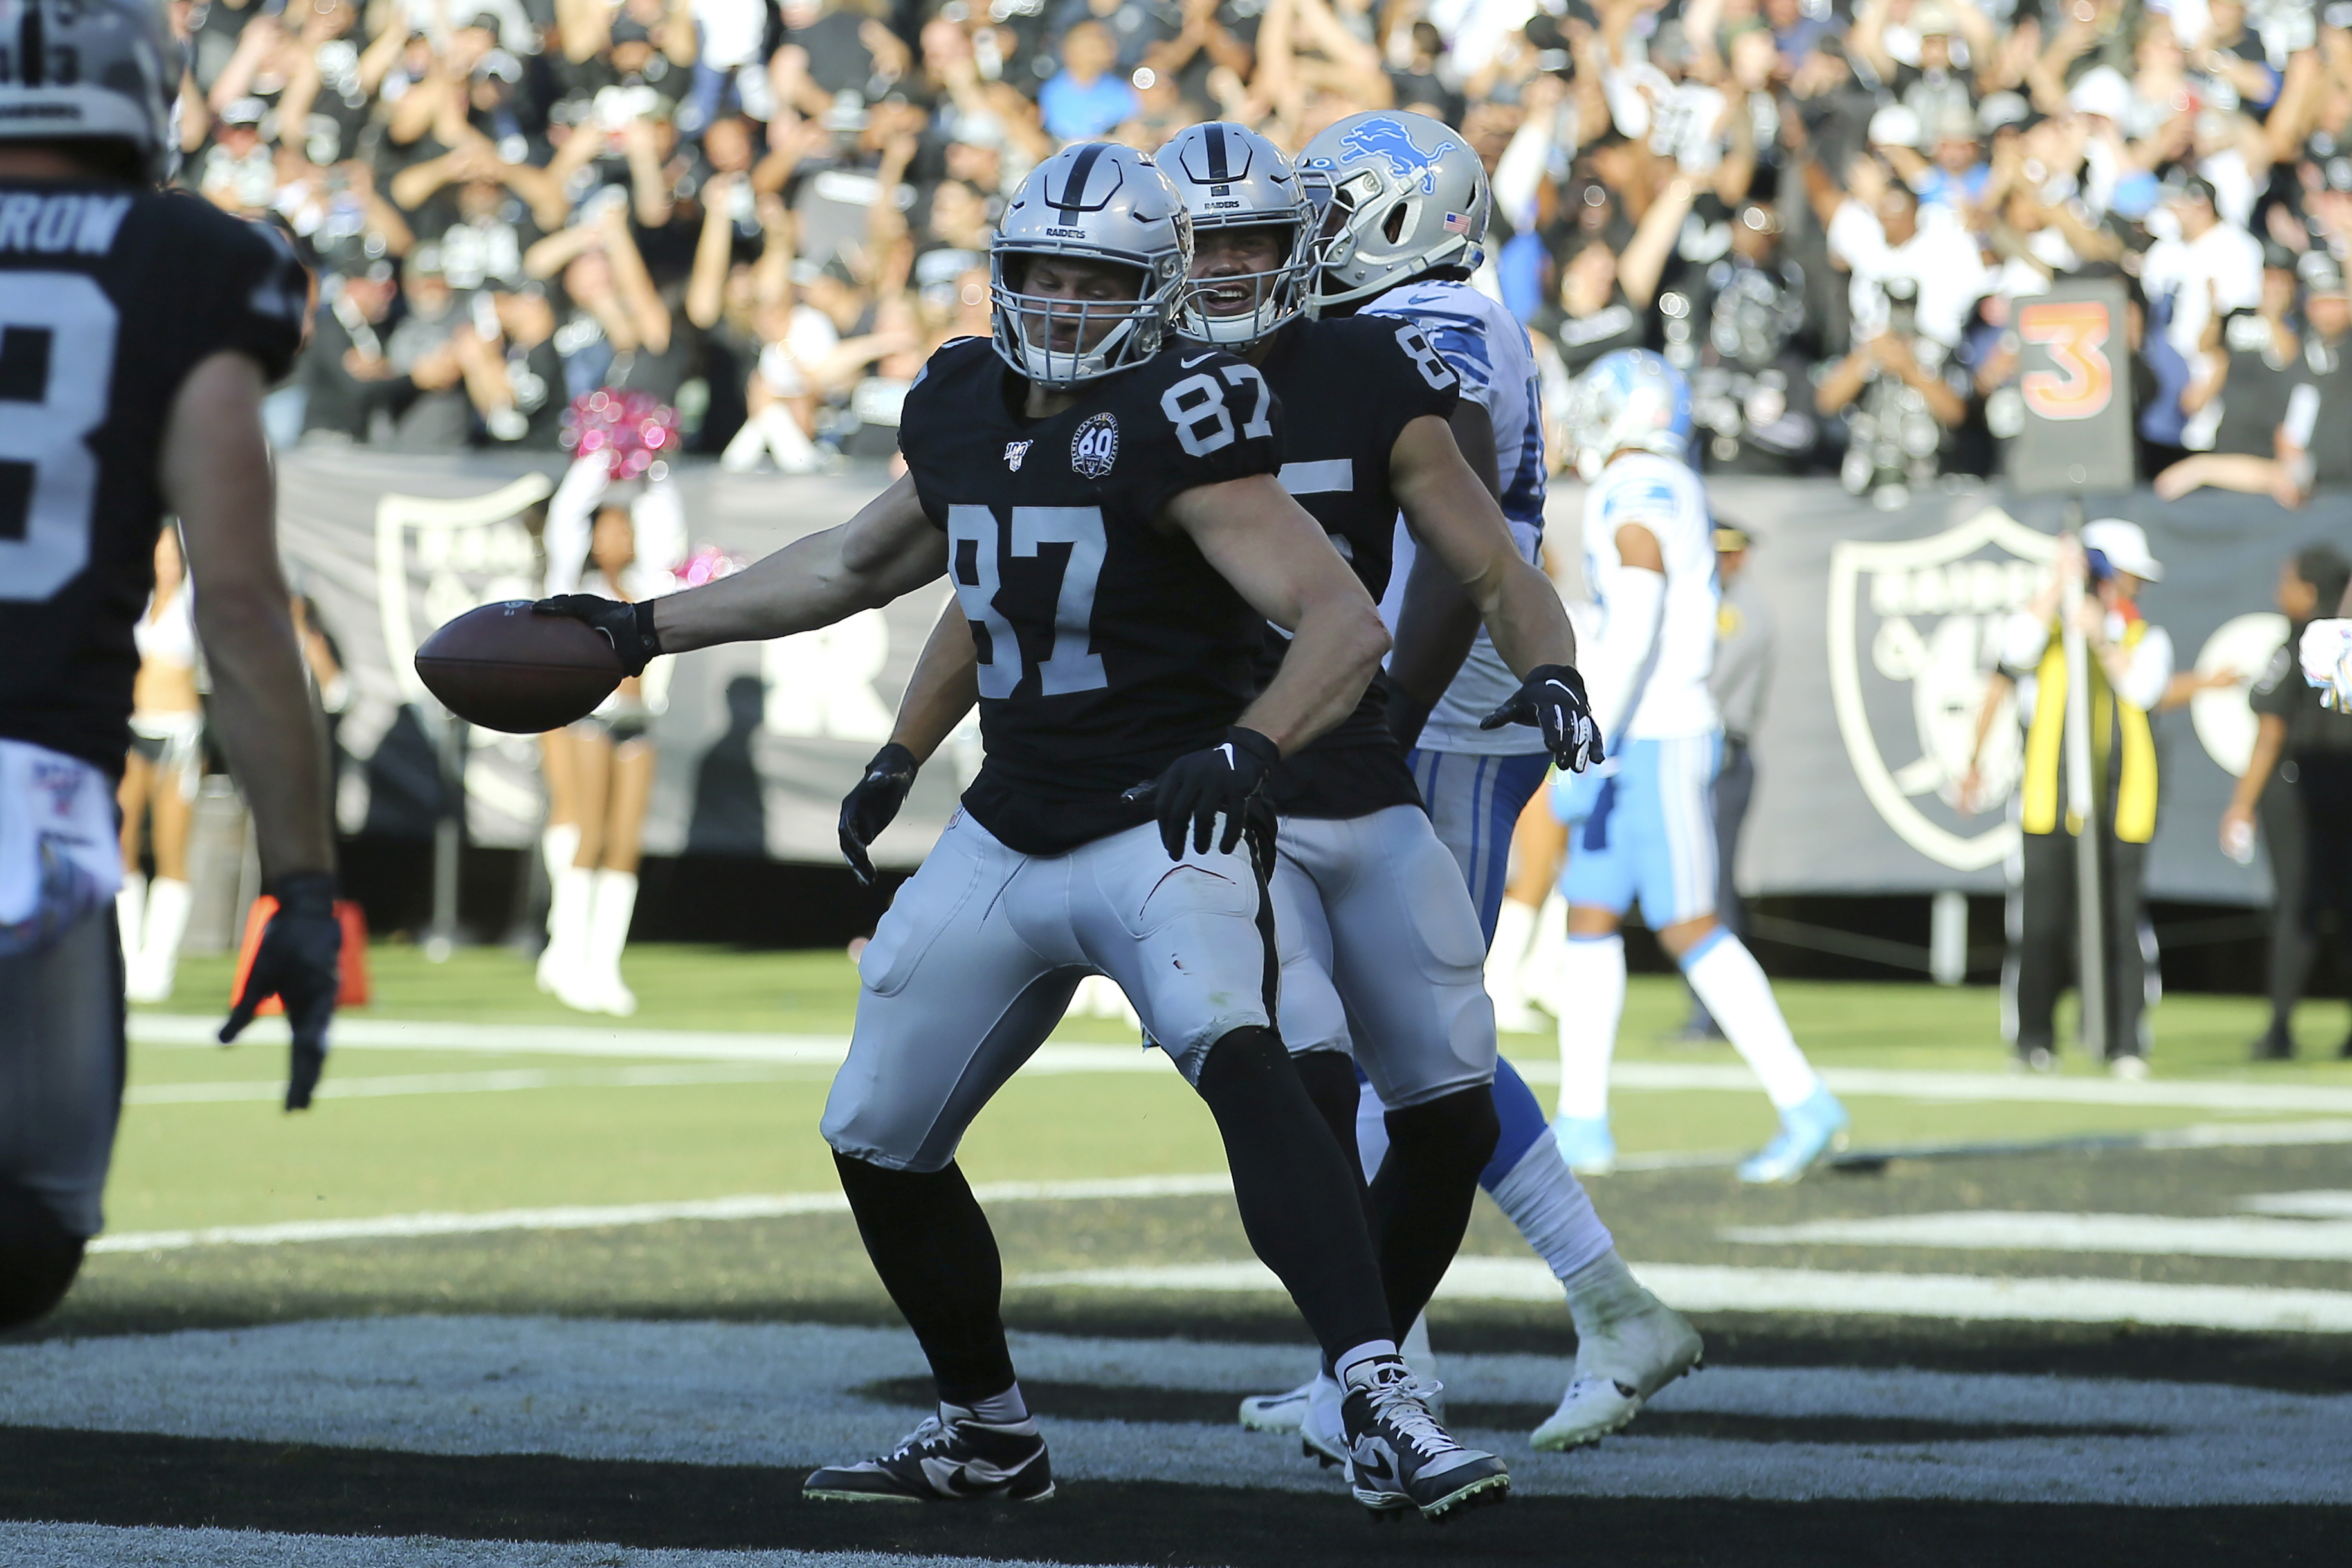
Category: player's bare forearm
[2269,741]
[216,476]
[889,549]
[1434,629]
[945,685]
[1454,518]
[1279,560]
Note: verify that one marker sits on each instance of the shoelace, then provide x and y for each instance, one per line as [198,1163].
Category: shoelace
[1403,1402]
[932,1433]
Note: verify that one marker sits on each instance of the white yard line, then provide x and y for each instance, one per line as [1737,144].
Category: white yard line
[757,1205]
[712,1044]
[1701,1287]
[506,1082]
[117,1546]
[2308,1205]
[2151,1235]
[787,1396]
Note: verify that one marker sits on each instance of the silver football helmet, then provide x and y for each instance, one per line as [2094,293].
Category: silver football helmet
[1231,177]
[1408,196]
[90,70]
[1098,202]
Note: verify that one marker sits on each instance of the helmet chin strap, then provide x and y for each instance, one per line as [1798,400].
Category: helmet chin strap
[1085,364]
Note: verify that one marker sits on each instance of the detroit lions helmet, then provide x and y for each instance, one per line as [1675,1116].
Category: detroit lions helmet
[1631,398]
[91,71]
[1407,197]
[1231,177]
[1097,201]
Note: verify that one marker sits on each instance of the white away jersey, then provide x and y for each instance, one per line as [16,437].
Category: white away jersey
[1666,498]
[1488,349]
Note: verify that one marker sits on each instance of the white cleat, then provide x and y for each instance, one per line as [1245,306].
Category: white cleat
[1619,1365]
[1277,1412]
[1323,1431]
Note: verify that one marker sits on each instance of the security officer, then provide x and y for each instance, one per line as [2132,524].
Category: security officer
[2131,664]
[1743,671]
[2303,750]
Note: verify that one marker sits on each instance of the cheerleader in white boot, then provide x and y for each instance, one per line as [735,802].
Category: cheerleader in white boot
[158,792]
[611,766]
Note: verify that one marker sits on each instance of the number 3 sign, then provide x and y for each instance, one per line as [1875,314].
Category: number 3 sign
[2076,434]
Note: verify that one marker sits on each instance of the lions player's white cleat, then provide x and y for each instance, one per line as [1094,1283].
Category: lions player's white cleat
[1399,1459]
[1322,1427]
[1278,1412]
[1629,1345]
[1811,1131]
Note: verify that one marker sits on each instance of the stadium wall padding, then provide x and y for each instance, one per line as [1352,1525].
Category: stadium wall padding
[1882,619]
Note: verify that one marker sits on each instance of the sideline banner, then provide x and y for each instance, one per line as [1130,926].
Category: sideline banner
[1883,621]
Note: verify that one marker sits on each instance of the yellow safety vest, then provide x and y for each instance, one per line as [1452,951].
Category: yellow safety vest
[2134,801]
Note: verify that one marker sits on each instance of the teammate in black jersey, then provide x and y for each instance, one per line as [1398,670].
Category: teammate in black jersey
[1380,948]
[1104,502]
[138,332]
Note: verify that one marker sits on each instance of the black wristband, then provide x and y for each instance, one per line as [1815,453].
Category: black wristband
[1260,746]
[648,640]
[304,893]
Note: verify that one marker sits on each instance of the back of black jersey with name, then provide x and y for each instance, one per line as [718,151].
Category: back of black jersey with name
[1348,387]
[1107,647]
[109,298]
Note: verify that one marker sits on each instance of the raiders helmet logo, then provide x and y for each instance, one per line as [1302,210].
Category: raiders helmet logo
[1095,447]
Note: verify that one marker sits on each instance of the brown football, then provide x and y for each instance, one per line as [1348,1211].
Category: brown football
[503,668]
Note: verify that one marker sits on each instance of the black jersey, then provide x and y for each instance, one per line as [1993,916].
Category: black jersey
[1348,387]
[1108,646]
[109,298]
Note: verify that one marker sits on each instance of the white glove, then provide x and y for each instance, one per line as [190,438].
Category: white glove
[2327,646]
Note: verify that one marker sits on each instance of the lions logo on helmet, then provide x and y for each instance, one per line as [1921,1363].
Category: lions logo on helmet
[1629,399]
[91,71]
[1097,201]
[1408,197]
[1231,177]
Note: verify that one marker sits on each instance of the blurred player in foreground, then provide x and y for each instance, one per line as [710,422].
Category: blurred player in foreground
[141,331]
[1106,507]
[1642,828]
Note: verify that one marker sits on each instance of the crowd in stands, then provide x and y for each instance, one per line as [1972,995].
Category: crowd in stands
[766,215]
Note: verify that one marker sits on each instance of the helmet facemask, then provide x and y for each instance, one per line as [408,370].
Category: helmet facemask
[1237,308]
[1058,341]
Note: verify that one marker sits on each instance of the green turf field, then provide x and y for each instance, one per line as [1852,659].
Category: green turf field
[401,1131]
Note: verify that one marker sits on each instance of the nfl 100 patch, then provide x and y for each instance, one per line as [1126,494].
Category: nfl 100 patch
[1095,447]
[1015,451]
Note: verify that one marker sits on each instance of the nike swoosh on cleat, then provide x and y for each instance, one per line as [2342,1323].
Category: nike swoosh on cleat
[1375,1465]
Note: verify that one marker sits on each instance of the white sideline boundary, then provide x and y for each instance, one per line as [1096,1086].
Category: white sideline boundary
[1705,1288]
[770,1206]
[171,1030]
[2152,1236]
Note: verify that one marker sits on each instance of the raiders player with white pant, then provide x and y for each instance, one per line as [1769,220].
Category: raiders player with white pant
[1108,513]
[143,330]
[1380,945]
[1409,205]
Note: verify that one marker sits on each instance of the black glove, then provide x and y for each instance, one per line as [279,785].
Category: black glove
[1552,698]
[628,627]
[297,963]
[873,804]
[1191,790]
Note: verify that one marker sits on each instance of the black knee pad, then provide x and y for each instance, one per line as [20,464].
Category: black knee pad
[38,1257]
[1457,1131]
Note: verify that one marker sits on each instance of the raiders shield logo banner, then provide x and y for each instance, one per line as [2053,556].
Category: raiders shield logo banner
[1914,629]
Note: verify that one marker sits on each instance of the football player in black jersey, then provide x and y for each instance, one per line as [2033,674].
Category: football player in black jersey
[1380,947]
[1105,503]
[138,332]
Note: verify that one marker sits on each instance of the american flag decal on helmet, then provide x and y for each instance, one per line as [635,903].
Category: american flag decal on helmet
[1457,223]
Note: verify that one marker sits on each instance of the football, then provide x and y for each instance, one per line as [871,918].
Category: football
[503,668]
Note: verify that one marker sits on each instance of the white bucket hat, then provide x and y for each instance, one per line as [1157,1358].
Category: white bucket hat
[2125,547]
